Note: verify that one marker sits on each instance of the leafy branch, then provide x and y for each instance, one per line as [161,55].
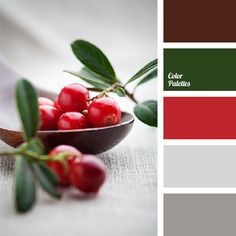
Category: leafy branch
[99,72]
[30,167]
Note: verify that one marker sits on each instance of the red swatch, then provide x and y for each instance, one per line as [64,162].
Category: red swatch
[200,117]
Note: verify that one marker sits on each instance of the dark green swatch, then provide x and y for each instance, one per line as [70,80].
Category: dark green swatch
[200,69]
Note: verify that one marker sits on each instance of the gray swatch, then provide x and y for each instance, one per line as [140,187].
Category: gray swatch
[200,166]
[199,215]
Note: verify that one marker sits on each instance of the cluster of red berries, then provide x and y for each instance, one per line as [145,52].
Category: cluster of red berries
[85,172]
[73,109]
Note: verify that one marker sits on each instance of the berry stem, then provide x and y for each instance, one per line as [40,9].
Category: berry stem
[30,154]
[5,153]
[35,156]
[130,95]
[111,89]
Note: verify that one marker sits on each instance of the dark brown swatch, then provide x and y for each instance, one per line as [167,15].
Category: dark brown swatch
[199,21]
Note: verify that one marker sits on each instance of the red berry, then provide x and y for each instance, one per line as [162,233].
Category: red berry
[73,97]
[87,173]
[58,167]
[45,101]
[60,171]
[65,149]
[48,117]
[72,120]
[56,105]
[104,112]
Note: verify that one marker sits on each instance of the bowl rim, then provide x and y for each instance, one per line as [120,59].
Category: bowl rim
[129,121]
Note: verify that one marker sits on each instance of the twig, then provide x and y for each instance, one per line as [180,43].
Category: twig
[130,95]
[111,89]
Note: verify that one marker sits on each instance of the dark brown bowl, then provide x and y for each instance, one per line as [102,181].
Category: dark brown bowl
[91,140]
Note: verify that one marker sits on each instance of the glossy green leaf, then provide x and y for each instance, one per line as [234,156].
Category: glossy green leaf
[90,78]
[25,187]
[150,76]
[87,73]
[151,65]
[93,58]
[46,179]
[147,112]
[27,104]
[120,92]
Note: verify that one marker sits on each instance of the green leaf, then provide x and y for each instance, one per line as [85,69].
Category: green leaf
[151,65]
[25,188]
[93,58]
[147,112]
[87,73]
[46,179]
[120,92]
[90,78]
[48,172]
[27,104]
[148,77]
[37,146]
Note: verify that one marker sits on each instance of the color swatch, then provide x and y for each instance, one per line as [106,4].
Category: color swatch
[200,117]
[199,69]
[201,166]
[199,21]
[199,214]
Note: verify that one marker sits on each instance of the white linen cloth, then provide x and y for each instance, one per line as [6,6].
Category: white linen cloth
[34,41]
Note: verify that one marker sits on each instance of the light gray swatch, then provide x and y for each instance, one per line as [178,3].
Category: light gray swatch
[199,166]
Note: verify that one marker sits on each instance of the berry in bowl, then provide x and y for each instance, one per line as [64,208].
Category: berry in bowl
[92,125]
